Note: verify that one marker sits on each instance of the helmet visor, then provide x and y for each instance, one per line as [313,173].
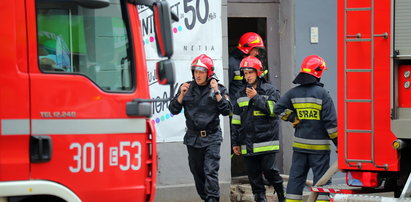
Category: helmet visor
[203,69]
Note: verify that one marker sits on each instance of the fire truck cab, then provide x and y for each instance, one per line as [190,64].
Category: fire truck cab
[73,100]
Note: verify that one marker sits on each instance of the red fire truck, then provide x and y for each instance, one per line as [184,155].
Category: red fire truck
[374,98]
[74,101]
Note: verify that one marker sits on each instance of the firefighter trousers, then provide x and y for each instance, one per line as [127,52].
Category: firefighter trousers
[301,164]
[204,165]
[262,164]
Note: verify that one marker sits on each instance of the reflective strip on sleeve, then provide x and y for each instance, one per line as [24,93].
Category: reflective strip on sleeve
[332,130]
[243,101]
[243,149]
[259,113]
[262,147]
[265,144]
[333,135]
[271,106]
[285,114]
[266,148]
[238,78]
[236,119]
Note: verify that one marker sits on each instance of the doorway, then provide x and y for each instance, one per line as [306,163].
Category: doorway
[261,19]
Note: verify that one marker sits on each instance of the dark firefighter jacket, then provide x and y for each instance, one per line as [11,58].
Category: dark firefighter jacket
[254,124]
[314,108]
[235,83]
[202,115]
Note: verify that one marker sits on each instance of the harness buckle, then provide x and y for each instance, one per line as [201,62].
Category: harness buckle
[203,133]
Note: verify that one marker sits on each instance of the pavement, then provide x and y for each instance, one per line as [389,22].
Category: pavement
[240,190]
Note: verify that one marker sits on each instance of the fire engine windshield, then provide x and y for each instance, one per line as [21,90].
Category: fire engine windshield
[90,41]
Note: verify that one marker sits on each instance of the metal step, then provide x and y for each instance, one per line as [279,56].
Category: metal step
[367,198]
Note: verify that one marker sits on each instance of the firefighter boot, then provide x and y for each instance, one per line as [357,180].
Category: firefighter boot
[260,197]
[279,189]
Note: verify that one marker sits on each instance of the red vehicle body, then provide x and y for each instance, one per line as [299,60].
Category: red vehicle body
[69,70]
[374,96]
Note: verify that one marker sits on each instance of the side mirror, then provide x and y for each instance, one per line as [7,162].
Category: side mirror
[162,25]
[93,3]
[165,72]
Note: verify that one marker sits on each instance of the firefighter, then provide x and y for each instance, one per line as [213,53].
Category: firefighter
[255,131]
[311,110]
[203,100]
[248,45]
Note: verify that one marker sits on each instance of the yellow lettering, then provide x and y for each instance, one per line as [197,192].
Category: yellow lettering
[309,114]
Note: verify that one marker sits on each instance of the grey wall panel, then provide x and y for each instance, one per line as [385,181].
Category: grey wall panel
[402,35]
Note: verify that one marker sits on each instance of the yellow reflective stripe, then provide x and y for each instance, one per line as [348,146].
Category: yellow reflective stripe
[310,146]
[309,114]
[307,106]
[243,151]
[266,148]
[243,104]
[235,122]
[238,78]
[284,115]
[306,70]
[333,135]
[259,113]
[271,106]
[323,200]
[293,200]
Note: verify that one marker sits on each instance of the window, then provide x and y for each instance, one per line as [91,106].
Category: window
[93,42]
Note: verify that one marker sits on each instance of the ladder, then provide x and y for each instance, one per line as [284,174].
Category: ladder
[353,71]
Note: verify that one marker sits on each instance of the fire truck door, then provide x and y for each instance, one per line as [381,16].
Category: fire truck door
[82,75]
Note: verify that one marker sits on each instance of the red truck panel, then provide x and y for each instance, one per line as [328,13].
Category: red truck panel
[14,92]
[364,88]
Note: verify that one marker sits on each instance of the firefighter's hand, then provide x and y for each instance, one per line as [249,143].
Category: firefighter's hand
[296,122]
[214,85]
[251,92]
[236,150]
[183,92]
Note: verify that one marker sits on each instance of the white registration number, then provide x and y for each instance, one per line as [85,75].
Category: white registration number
[89,156]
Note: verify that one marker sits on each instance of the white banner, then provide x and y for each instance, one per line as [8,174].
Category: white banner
[198,31]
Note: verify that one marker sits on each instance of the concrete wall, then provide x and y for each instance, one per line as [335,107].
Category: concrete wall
[296,19]
[321,14]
